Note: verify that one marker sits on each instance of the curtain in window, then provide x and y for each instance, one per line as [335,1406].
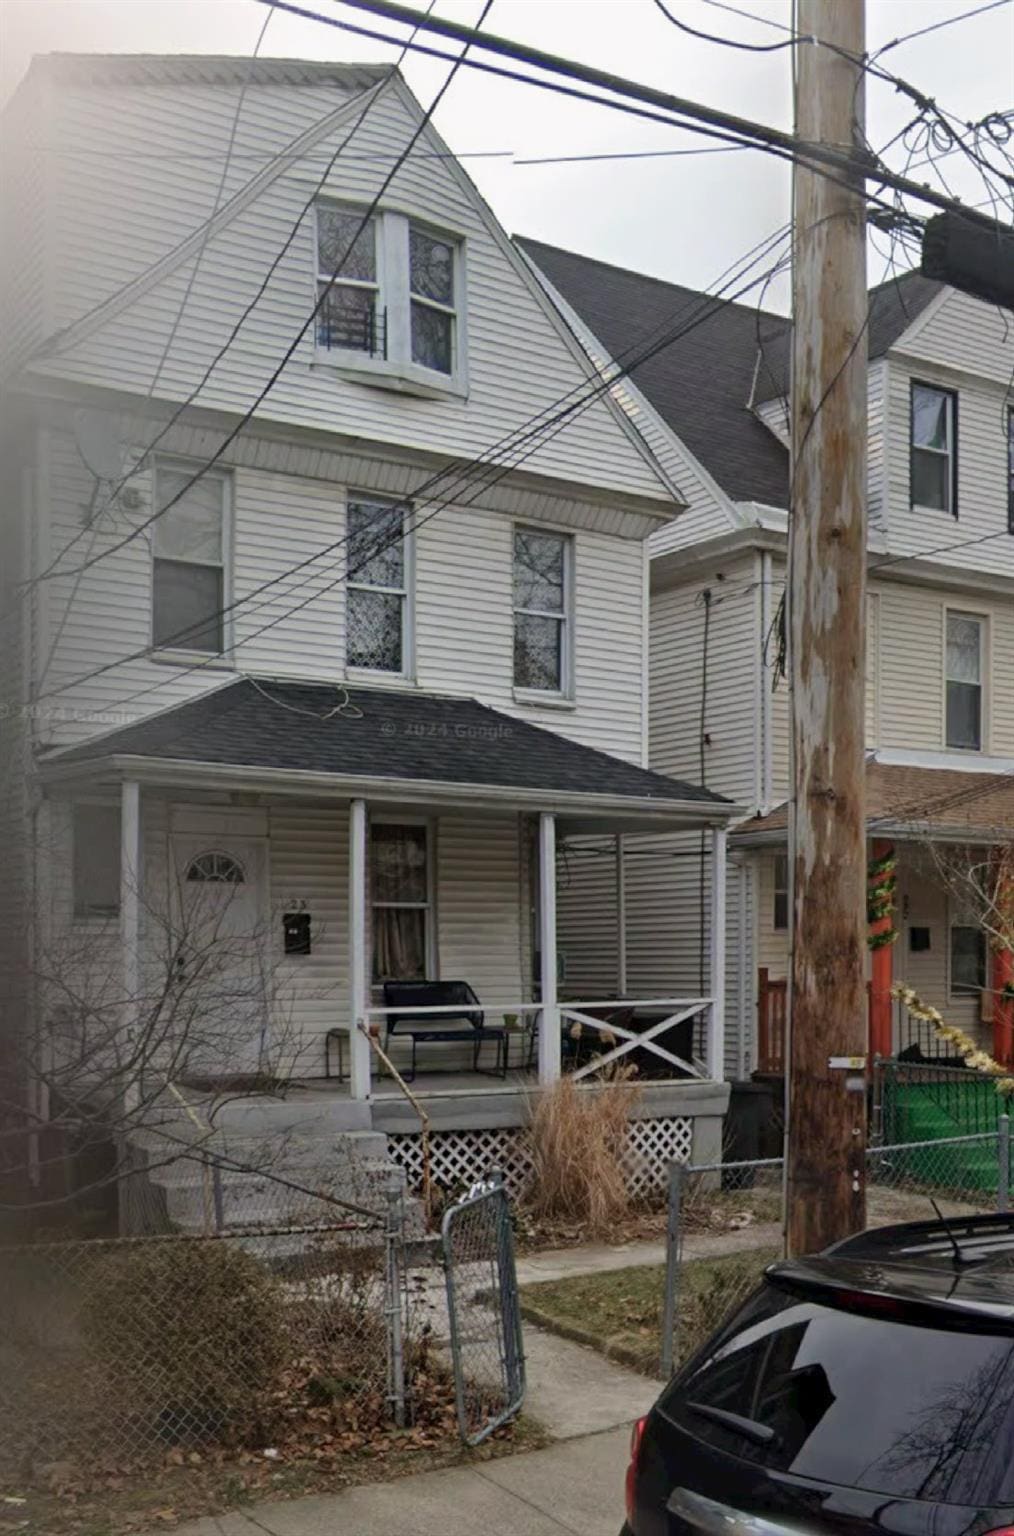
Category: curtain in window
[399,893]
[399,944]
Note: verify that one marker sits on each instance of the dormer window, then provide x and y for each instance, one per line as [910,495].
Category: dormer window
[350,315]
[390,293]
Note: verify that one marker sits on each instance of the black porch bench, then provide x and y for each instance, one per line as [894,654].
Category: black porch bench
[409,996]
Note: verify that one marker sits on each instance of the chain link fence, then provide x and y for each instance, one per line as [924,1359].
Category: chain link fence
[483,1310]
[248,1336]
[725,1223]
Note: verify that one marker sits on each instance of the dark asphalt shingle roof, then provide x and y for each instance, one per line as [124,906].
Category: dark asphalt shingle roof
[701,384]
[361,732]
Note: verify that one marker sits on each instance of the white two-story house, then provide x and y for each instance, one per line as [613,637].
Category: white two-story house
[325,624]
[940,648]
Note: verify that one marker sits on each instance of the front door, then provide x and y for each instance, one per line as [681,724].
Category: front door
[222,956]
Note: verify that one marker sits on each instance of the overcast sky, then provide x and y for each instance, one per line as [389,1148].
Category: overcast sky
[684,218]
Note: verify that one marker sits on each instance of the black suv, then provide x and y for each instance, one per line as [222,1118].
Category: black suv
[868,1389]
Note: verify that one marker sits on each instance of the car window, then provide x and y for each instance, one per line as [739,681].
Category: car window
[867,1402]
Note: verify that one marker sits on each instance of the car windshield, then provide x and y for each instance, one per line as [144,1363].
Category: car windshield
[862,1401]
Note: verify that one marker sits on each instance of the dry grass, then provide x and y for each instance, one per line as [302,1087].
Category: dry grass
[577,1137]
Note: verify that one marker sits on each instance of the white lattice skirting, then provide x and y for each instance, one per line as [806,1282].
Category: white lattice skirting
[460,1157]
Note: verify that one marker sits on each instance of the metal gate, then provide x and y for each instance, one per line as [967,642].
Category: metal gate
[482,1307]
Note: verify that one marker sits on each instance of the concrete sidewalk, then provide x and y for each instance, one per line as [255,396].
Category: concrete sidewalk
[575,1487]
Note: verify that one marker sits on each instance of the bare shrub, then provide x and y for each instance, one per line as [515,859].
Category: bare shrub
[578,1138]
[189,1335]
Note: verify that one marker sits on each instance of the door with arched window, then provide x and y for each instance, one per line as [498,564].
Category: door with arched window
[220,965]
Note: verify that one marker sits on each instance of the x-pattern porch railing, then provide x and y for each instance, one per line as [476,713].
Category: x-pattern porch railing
[564,1015]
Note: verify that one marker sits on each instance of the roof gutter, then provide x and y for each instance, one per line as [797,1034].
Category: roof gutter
[173,772]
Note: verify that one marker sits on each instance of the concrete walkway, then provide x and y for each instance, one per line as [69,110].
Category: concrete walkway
[575,1487]
[603,1258]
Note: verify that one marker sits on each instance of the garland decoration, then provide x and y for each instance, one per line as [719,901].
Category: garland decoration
[883,885]
[971,1054]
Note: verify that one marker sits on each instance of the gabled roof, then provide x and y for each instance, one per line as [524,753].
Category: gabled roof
[357,733]
[701,384]
[203,69]
[704,383]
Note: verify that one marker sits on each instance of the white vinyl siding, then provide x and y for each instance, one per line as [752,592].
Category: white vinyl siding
[116,217]
[295,625]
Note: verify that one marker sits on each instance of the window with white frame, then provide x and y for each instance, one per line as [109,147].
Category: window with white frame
[968,960]
[934,453]
[780,903]
[95,833]
[388,289]
[377,586]
[542,602]
[431,286]
[188,568]
[964,681]
[347,252]
[400,901]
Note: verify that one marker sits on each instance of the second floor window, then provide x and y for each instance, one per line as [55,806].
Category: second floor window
[388,289]
[376,586]
[542,582]
[964,681]
[95,831]
[934,463]
[188,571]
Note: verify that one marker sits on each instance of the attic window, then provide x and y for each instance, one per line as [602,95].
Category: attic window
[934,467]
[390,292]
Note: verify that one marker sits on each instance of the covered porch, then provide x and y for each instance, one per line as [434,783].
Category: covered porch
[940,911]
[358,837]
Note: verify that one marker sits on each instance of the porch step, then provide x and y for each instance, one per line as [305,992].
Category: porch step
[286,1176]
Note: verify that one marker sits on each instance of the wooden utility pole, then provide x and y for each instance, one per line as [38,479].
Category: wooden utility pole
[826,1133]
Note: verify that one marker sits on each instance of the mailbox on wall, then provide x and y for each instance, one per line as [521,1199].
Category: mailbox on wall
[296,933]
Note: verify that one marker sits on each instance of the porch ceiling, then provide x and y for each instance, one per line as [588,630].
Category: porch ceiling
[385,744]
[907,801]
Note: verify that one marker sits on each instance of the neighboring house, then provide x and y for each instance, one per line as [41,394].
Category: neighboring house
[940,632]
[341,700]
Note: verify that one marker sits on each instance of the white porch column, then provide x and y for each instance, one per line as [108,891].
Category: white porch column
[715,1057]
[359,1046]
[621,920]
[549,1031]
[130,926]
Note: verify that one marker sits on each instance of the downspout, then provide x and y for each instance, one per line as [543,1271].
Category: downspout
[765,752]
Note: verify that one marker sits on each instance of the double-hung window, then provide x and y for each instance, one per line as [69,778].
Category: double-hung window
[964,674]
[389,291]
[188,571]
[400,901]
[934,449]
[431,287]
[349,316]
[377,586]
[542,619]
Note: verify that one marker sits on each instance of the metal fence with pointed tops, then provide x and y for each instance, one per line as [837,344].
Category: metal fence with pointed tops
[725,1220]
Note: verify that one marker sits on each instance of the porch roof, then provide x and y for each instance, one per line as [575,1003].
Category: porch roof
[382,742]
[908,801]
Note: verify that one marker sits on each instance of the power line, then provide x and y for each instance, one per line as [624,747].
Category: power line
[53,569]
[598,387]
[761,135]
[727,42]
[947,21]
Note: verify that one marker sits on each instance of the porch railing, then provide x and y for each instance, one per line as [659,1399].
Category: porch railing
[910,1034]
[616,1034]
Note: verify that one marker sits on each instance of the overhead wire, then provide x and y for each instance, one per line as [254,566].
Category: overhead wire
[599,386]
